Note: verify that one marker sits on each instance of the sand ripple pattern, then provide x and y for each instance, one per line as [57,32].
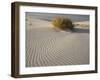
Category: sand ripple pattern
[47,47]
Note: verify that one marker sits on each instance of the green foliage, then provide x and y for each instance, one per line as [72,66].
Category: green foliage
[62,23]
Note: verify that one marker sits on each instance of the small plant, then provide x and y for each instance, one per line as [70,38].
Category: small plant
[62,23]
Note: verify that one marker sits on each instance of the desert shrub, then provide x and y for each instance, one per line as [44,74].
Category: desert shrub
[62,23]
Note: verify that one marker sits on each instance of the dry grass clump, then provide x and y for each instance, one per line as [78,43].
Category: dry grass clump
[62,23]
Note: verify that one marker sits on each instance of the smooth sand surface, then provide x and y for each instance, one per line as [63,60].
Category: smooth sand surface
[46,46]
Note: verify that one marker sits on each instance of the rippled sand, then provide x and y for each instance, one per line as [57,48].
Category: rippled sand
[46,46]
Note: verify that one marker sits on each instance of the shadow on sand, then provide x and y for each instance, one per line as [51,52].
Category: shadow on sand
[79,30]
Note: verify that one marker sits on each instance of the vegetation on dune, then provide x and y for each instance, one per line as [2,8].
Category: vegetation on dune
[62,23]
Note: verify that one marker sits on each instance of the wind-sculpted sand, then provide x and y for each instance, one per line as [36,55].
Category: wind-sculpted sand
[46,46]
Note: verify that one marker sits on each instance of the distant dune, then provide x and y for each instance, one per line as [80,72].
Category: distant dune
[46,46]
[50,16]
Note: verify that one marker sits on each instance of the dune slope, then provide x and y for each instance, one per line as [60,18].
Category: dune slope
[46,46]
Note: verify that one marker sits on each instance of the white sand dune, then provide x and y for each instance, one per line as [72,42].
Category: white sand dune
[47,47]
[82,23]
[36,23]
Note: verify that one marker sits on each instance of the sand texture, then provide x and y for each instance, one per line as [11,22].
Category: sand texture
[46,46]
